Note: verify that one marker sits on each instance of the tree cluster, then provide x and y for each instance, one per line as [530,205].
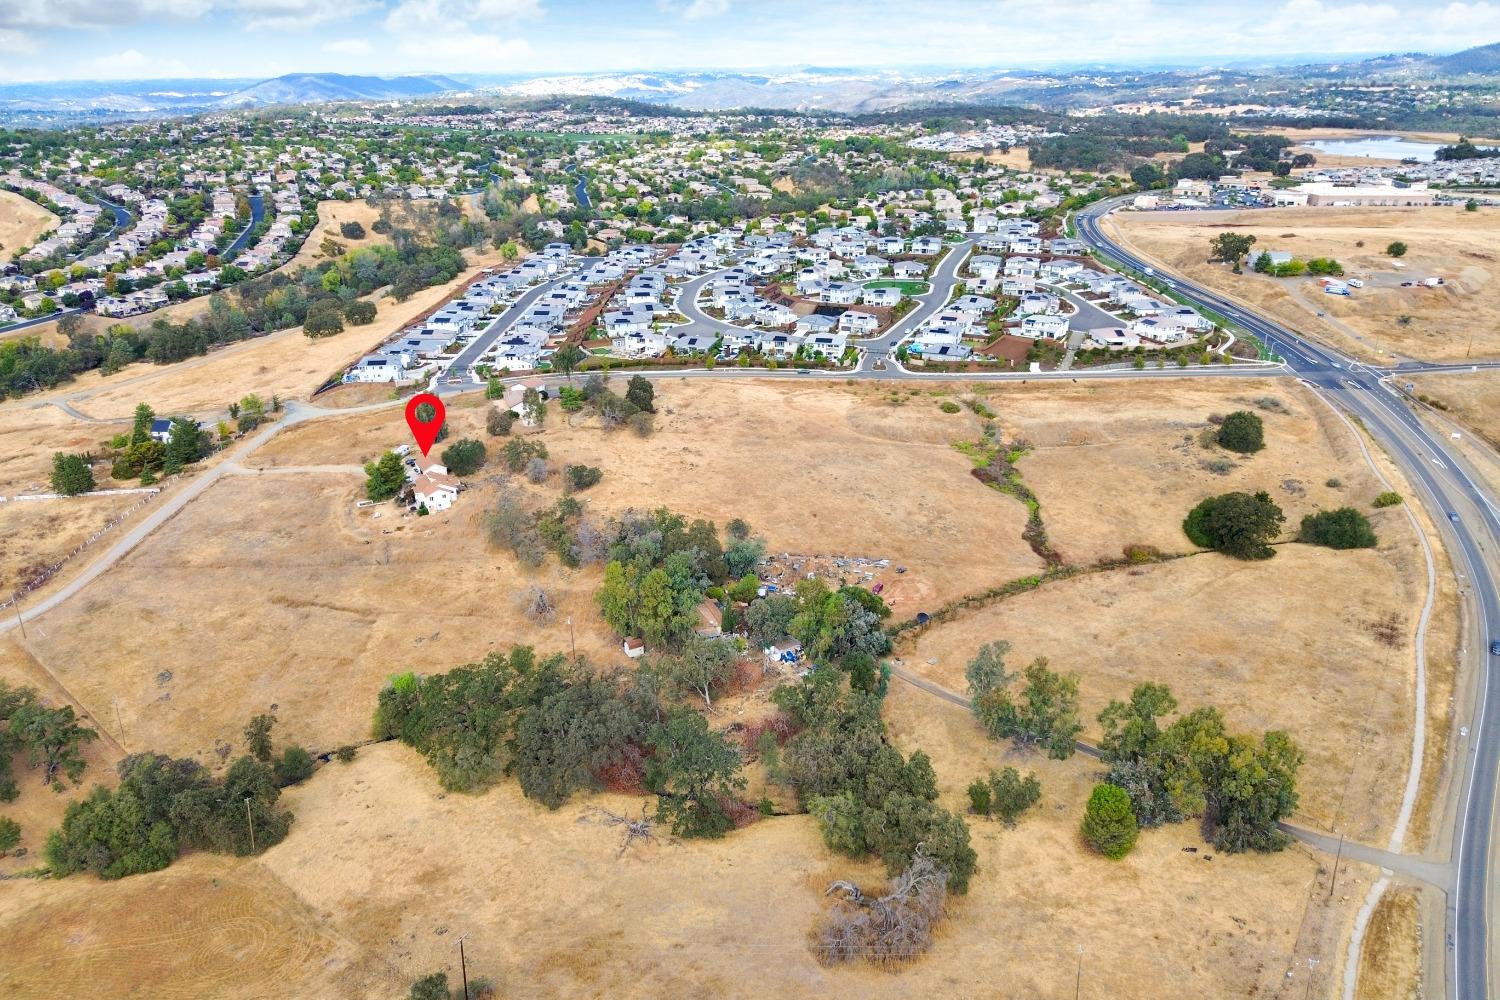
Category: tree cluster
[52,739]
[559,728]
[163,807]
[1193,766]
[1004,795]
[1043,714]
[868,798]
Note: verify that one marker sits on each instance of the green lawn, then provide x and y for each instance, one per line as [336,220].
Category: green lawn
[906,287]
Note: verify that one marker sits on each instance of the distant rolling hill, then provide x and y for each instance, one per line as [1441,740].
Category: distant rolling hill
[1481,59]
[317,88]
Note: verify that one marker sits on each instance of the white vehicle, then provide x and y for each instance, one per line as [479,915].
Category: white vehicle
[402,449]
[1355,283]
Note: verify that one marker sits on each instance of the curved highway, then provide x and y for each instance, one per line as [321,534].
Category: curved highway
[1472,531]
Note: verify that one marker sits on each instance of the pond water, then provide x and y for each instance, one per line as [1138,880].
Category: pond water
[1378,147]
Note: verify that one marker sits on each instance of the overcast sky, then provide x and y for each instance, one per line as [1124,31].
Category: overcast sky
[142,39]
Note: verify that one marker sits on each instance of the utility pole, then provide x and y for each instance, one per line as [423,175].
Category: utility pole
[1078,979]
[463,966]
[15,598]
[1337,858]
[119,724]
[572,639]
[251,820]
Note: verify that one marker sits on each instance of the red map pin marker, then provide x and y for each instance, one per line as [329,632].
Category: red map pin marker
[425,433]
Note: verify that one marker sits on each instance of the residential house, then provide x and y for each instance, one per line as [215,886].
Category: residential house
[855,323]
[1041,326]
[435,490]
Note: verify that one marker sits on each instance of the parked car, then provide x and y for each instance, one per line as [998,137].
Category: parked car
[1495,648]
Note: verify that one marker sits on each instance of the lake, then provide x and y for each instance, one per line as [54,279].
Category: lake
[1378,147]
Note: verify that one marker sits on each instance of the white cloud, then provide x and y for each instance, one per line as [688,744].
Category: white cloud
[16,42]
[348,46]
[458,17]
[693,10]
[132,64]
[96,13]
[455,53]
[293,15]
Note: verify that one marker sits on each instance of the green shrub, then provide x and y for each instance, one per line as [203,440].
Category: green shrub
[359,312]
[430,987]
[10,834]
[294,765]
[1344,528]
[345,754]
[498,422]
[1004,795]
[1109,825]
[464,456]
[1243,432]
[581,477]
[981,801]
[948,406]
[1389,498]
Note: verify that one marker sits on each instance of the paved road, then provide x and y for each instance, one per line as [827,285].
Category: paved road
[257,212]
[942,280]
[501,325]
[23,324]
[1472,531]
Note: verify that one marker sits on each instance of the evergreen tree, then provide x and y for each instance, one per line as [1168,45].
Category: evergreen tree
[640,394]
[384,477]
[1109,825]
[141,431]
[71,475]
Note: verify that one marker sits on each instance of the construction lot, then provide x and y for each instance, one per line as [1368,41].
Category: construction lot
[283,592]
[1457,320]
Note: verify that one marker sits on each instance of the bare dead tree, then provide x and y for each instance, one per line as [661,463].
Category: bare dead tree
[536,605]
[896,927]
[642,830]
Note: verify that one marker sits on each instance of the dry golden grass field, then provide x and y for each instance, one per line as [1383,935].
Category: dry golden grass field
[22,223]
[331,214]
[283,594]
[1389,970]
[1472,400]
[1436,324]
[41,533]
[30,434]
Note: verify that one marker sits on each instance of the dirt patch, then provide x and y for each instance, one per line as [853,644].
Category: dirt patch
[283,593]
[331,215]
[30,436]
